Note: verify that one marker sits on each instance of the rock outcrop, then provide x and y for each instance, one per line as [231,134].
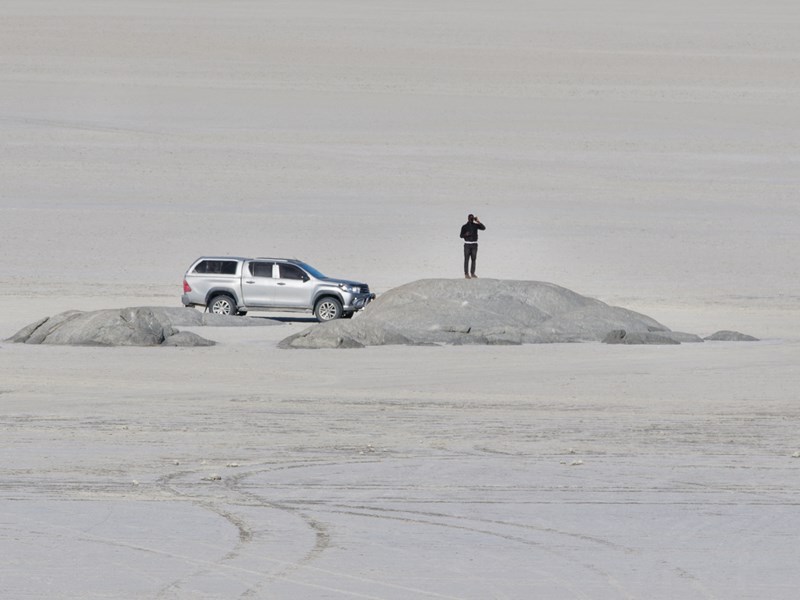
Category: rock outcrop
[136,326]
[730,336]
[620,336]
[477,311]
[186,339]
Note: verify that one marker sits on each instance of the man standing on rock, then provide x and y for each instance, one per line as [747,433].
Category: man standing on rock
[469,232]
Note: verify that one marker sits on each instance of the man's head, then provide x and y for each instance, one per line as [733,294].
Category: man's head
[471,218]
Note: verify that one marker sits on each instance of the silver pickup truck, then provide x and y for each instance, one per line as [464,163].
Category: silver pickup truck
[231,285]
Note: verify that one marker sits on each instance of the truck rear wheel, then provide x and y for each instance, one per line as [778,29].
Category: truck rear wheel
[222,305]
[328,309]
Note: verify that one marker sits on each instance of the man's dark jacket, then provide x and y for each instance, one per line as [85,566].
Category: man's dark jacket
[469,231]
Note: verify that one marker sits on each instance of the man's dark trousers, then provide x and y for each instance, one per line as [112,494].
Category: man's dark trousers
[470,252]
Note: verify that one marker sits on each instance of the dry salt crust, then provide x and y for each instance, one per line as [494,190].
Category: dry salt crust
[645,158]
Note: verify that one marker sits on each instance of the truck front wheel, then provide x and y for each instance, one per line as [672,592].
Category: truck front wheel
[328,309]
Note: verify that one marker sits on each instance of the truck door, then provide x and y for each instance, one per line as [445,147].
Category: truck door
[294,287]
[258,283]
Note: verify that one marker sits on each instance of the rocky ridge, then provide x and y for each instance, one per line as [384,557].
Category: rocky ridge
[486,311]
[133,326]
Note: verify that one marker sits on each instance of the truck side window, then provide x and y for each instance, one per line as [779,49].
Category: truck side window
[291,272]
[261,269]
[228,267]
[223,267]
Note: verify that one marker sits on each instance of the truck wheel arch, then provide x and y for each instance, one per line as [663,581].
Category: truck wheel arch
[221,290]
[327,294]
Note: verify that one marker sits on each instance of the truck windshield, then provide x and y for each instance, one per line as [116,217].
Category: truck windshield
[312,271]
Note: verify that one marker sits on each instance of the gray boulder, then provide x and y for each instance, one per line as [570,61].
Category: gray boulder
[730,336]
[187,339]
[112,327]
[682,337]
[46,326]
[476,311]
[137,326]
[122,327]
[620,336]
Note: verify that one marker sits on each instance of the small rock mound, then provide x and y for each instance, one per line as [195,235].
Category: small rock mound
[477,311]
[730,336]
[122,327]
[187,339]
[136,326]
[620,336]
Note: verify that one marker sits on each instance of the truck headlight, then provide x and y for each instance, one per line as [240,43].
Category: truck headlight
[351,289]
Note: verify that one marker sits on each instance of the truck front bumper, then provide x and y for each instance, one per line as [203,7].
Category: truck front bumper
[359,301]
